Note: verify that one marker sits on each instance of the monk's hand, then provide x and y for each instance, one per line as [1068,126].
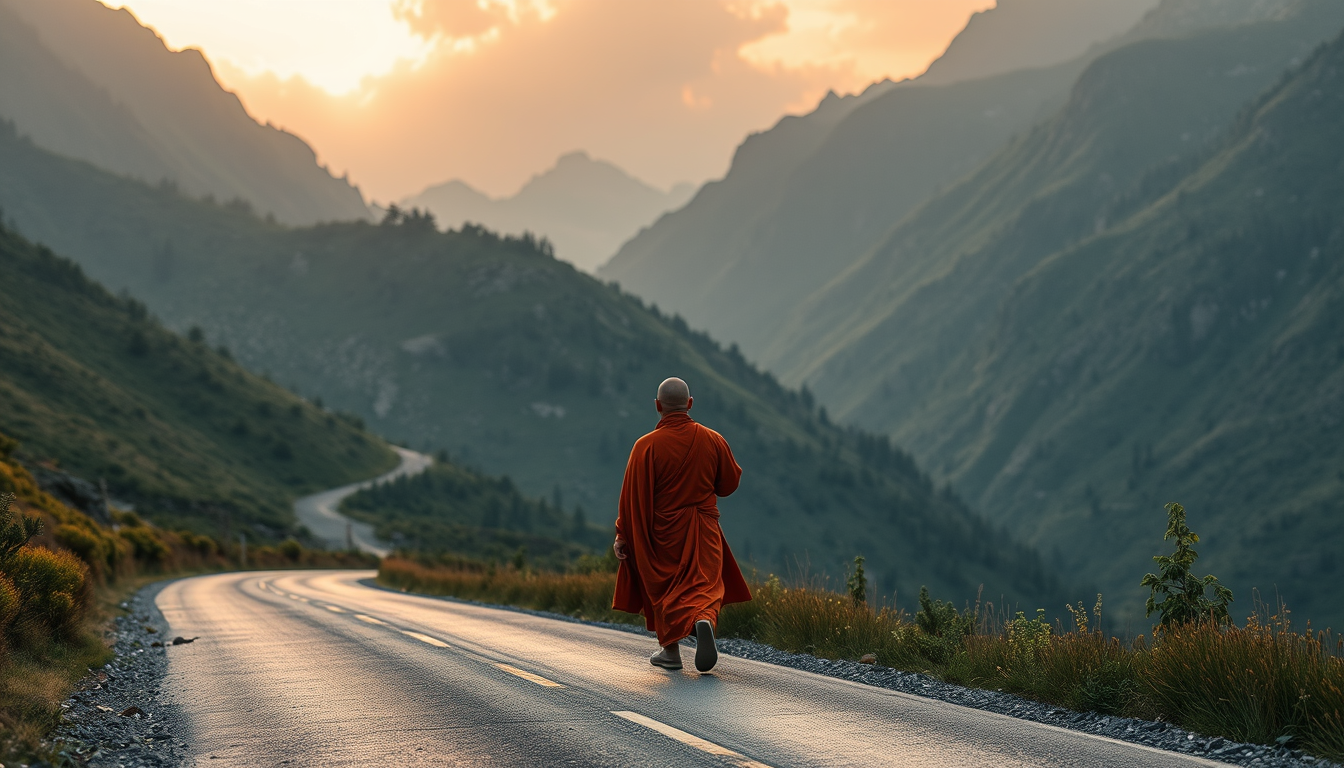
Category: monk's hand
[618,547]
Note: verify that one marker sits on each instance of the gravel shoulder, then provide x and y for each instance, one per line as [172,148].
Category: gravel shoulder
[121,716]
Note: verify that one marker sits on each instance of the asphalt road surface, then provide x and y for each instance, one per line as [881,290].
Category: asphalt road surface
[313,668]
[318,511]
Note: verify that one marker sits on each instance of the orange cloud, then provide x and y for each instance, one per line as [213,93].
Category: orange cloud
[663,89]
[659,88]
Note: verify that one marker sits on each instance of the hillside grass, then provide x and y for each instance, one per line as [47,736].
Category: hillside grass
[93,384]
[1260,682]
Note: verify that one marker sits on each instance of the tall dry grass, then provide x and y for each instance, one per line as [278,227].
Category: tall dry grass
[1262,682]
[581,595]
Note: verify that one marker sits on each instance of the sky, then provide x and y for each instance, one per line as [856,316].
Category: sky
[403,94]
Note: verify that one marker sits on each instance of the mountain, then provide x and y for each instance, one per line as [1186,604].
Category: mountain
[1029,34]
[1164,366]
[92,384]
[515,363]
[585,207]
[91,82]
[805,200]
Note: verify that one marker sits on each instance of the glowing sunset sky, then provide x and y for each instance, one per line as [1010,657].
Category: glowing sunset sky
[407,93]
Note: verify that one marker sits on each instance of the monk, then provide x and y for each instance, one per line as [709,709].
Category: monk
[675,565]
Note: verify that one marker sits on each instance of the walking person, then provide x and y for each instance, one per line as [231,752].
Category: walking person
[675,564]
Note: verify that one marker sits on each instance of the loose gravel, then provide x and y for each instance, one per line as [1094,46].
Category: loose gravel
[118,716]
[96,733]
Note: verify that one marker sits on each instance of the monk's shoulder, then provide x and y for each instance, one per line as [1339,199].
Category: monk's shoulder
[646,442]
[713,435]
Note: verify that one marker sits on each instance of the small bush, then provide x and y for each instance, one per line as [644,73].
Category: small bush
[52,589]
[291,549]
[9,606]
[1183,598]
[147,545]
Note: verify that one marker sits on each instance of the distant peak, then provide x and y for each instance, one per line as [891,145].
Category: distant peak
[578,156]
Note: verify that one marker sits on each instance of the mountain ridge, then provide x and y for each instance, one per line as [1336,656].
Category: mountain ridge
[172,119]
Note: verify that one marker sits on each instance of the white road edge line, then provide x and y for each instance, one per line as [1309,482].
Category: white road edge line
[370,620]
[688,739]
[538,679]
[434,641]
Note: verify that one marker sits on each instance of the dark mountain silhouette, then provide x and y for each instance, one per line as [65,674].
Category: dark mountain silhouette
[587,208]
[91,82]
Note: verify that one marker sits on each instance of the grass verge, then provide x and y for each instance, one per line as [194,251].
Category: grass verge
[1261,682]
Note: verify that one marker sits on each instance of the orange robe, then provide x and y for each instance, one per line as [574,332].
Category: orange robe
[679,568]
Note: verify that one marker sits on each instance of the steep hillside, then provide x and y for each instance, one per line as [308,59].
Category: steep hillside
[586,207]
[1226,388]
[514,362]
[1028,34]
[91,82]
[95,384]
[1065,417]
[741,256]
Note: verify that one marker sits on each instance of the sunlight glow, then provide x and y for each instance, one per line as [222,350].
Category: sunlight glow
[333,44]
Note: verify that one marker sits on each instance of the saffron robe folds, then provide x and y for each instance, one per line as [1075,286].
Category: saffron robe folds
[679,568]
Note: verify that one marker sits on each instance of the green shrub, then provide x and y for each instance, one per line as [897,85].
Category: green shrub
[9,605]
[291,549]
[15,528]
[52,589]
[147,546]
[93,548]
[1183,594]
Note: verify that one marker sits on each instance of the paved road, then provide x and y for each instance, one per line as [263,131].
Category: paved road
[318,511]
[313,668]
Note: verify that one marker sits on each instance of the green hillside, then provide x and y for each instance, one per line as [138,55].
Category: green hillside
[1226,390]
[455,510]
[1074,438]
[513,362]
[94,383]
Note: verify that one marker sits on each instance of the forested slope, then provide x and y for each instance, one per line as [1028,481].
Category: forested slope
[92,384]
[513,362]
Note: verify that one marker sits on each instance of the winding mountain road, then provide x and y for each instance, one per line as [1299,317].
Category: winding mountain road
[319,511]
[318,668]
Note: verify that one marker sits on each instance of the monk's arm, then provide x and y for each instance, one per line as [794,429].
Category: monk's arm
[729,473]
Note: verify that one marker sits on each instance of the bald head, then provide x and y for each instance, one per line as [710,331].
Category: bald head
[673,395]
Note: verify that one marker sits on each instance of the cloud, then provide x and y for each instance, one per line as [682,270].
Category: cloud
[660,88]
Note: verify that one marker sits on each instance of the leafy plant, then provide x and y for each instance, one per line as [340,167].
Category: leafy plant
[1183,595]
[857,583]
[15,529]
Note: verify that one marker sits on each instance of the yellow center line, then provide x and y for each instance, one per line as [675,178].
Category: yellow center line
[370,620]
[434,641]
[334,609]
[538,679]
[689,740]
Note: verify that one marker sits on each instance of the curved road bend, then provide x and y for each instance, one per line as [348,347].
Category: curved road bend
[318,511]
[312,668]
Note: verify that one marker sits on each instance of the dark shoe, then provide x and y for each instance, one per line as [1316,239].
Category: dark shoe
[661,659]
[706,655]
